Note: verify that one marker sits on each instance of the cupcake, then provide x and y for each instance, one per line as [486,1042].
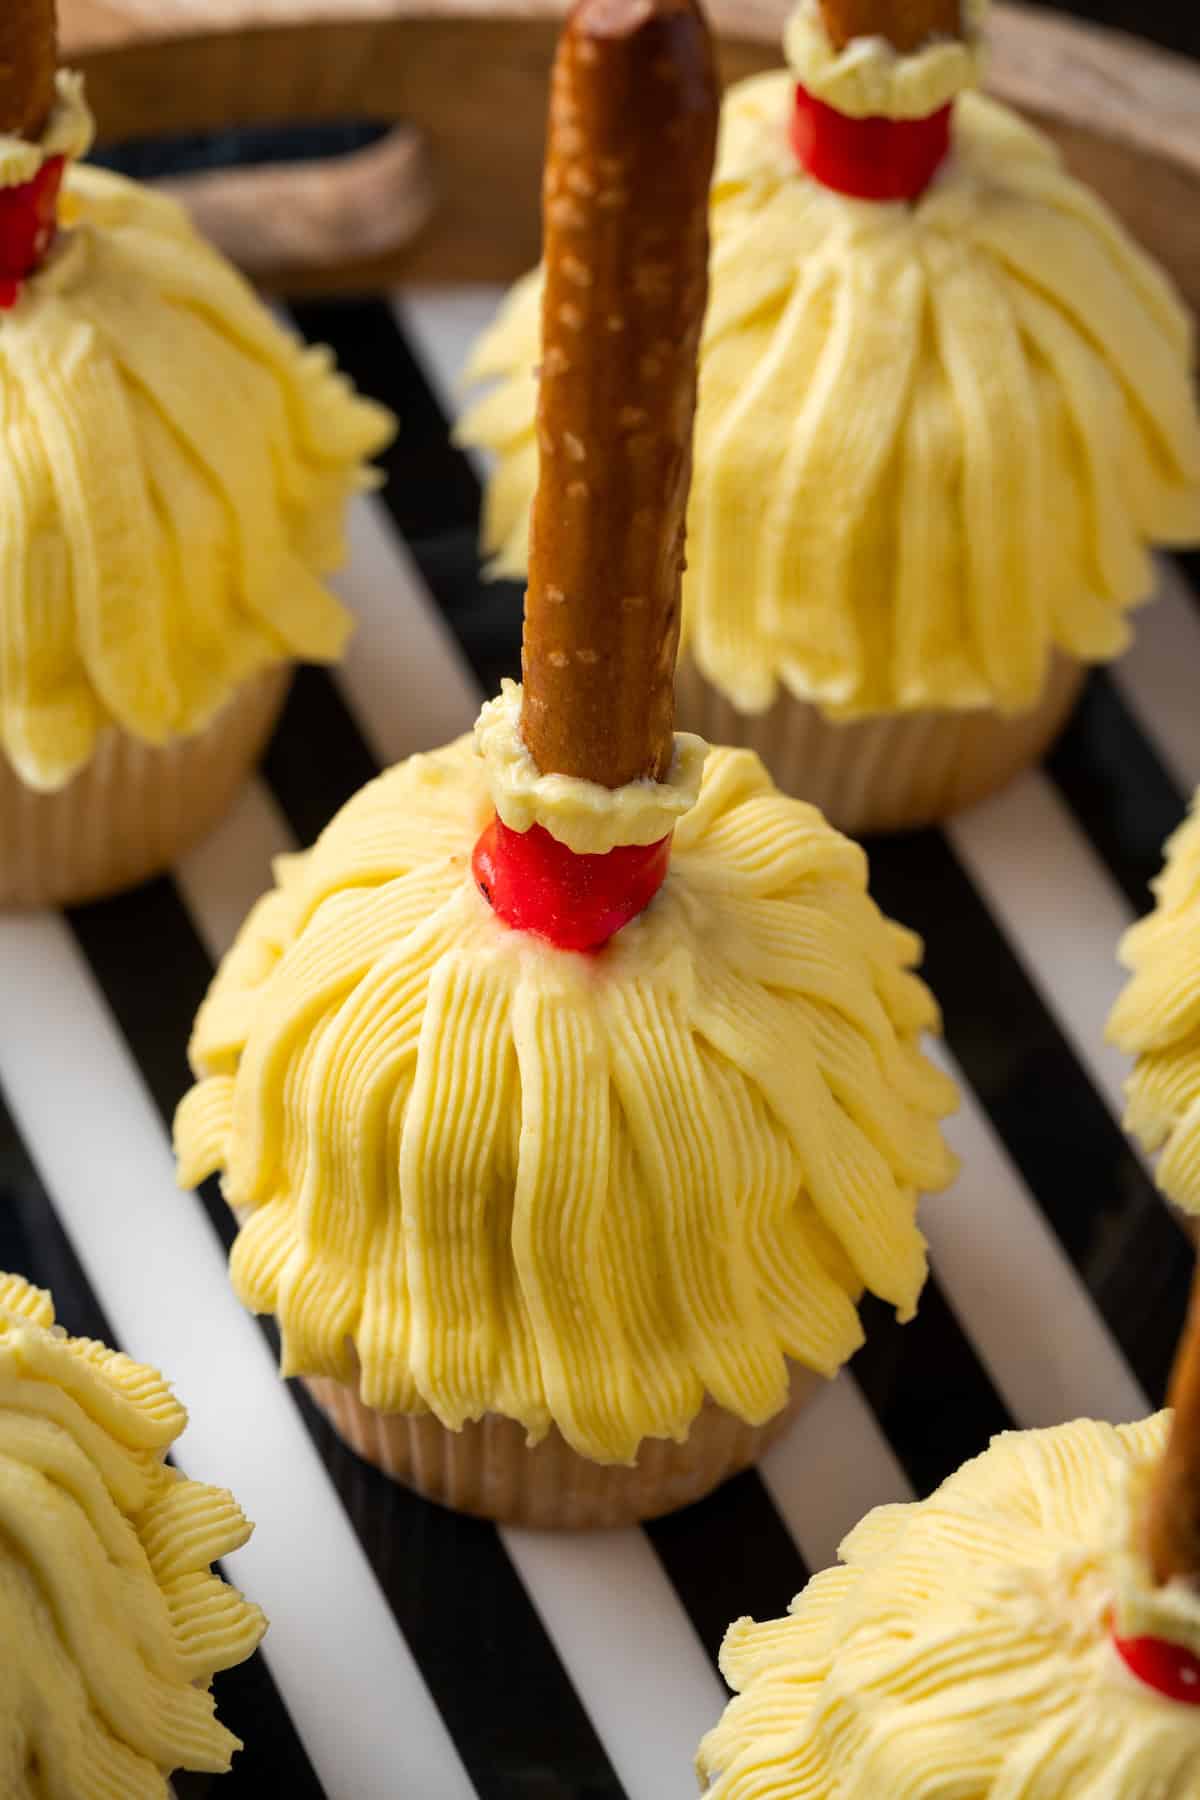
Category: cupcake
[112,1624]
[1032,1629]
[570,1090]
[176,471]
[1157,1021]
[946,408]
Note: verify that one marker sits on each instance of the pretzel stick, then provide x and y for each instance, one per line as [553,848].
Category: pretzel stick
[633,120]
[28,57]
[906,24]
[1172,1520]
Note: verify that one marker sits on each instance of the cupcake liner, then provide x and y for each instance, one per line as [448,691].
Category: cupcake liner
[885,774]
[135,808]
[489,1470]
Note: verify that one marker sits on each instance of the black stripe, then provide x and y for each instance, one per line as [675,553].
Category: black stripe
[34,1244]
[491,1669]
[1120,793]
[755,1570]
[1058,1130]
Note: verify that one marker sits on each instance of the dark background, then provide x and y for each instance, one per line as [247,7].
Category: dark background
[1172,23]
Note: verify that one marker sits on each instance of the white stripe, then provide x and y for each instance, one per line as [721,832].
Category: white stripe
[633,1656]
[91,1128]
[1157,676]
[410,688]
[1060,910]
[1013,1287]
[833,1466]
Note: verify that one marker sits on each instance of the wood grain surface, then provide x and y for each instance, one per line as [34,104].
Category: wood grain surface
[472,76]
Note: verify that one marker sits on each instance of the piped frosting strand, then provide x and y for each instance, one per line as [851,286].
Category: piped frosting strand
[464,1158]
[177,471]
[633,120]
[112,1625]
[1157,1020]
[986,395]
[28,59]
[963,1645]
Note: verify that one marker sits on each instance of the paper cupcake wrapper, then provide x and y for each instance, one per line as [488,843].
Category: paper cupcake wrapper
[489,1470]
[892,773]
[135,808]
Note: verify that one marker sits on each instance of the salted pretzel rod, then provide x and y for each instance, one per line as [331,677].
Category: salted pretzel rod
[632,136]
[28,59]
[906,24]
[1172,1519]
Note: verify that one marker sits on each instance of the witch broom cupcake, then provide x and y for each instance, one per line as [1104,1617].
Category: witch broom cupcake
[176,468]
[946,408]
[1032,1629]
[1157,1021]
[112,1624]
[570,1092]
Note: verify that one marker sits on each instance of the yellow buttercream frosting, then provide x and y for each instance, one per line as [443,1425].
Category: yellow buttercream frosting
[482,1175]
[112,1624]
[869,78]
[934,442]
[588,818]
[1157,1020]
[176,470]
[962,1647]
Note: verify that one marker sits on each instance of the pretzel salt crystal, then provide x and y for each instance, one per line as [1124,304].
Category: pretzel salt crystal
[906,24]
[633,121]
[28,59]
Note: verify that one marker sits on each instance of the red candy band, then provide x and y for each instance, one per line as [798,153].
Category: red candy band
[28,226]
[870,159]
[1168,1668]
[575,902]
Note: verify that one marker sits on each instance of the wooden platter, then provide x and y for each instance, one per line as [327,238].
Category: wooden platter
[452,194]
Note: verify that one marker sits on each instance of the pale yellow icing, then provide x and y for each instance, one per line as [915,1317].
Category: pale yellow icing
[580,1189]
[962,1647]
[587,818]
[934,442]
[1157,1020]
[869,78]
[69,131]
[176,470]
[112,1624]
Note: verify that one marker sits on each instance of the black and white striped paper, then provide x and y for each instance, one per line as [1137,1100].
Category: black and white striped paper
[419,1655]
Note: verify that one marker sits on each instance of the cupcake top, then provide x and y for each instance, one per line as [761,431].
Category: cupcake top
[497,1176]
[965,1644]
[111,1623]
[177,468]
[1157,1020]
[936,437]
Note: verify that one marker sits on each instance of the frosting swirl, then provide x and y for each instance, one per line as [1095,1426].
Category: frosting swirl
[868,78]
[587,818]
[1157,1020]
[962,1645]
[480,1174]
[934,441]
[111,1623]
[177,468]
